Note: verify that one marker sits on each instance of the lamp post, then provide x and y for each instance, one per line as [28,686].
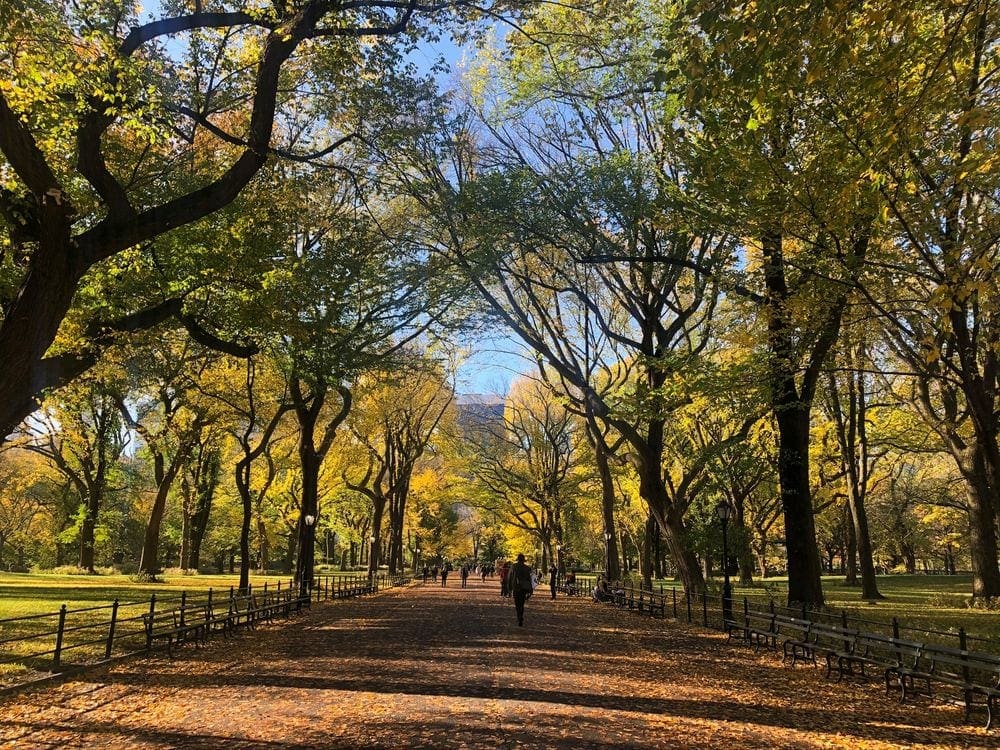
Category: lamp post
[372,556]
[416,561]
[723,511]
[307,554]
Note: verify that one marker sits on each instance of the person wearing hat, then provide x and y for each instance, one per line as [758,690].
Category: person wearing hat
[519,584]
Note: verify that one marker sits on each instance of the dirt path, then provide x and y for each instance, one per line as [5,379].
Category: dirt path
[426,667]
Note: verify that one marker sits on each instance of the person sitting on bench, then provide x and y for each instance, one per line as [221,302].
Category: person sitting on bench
[602,593]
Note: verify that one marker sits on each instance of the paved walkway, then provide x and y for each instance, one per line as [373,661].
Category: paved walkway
[426,667]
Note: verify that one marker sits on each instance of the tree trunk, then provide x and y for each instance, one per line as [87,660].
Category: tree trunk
[669,517]
[851,564]
[151,542]
[608,498]
[982,530]
[378,510]
[208,481]
[744,552]
[804,572]
[648,551]
[92,505]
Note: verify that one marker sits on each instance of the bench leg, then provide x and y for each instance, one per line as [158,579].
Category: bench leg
[989,711]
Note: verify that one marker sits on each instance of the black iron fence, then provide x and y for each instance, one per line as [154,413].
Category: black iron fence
[35,647]
[706,609]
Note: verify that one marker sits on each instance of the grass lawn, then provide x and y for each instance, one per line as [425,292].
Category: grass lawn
[37,593]
[921,602]
[40,595]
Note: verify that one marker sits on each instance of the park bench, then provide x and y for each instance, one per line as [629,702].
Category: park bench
[756,629]
[795,635]
[272,603]
[973,673]
[241,612]
[860,649]
[910,667]
[176,626]
[652,603]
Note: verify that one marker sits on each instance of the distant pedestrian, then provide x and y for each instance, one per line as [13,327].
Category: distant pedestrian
[465,575]
[553,578]
[519,583]
[504,570]
[434,573]
[444,575]
[426,572]
[482,571]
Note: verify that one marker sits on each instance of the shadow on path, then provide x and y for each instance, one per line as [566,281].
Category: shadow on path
[448,667]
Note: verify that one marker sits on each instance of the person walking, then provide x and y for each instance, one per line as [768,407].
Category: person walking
[465,575]
[553,577]
[426,573]
[444,575]
[519,584]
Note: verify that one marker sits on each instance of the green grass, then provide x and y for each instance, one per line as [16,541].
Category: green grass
[919,602]
[33,594]
[37,593]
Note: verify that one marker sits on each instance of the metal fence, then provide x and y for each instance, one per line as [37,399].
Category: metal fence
[35,647]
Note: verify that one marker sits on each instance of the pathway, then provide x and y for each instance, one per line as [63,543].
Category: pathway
[426,667]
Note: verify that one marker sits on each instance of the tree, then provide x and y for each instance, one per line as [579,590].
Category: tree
[115,131]
[170,418]
[531,470]
[83,435]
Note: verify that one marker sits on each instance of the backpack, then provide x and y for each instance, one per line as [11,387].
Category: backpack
[522,578]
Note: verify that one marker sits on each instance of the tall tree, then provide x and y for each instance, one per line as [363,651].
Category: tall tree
[115,131]
[83,435]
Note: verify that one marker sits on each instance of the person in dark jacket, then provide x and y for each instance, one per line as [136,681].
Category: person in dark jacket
[519,584]
[553,578]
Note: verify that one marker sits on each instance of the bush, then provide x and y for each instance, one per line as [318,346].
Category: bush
[987,603]
[180,572]
[76,570]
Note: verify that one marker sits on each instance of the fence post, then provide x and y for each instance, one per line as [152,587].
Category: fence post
[57,653]
[149,622]
[704,608]
[746,616]
[687,595]
[111,629]
[673,590]
[183,606]
[804,615]
[895,628]
[843,624]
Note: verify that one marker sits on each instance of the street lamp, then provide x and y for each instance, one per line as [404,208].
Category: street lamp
[372,556]
[724,512]
[306,553]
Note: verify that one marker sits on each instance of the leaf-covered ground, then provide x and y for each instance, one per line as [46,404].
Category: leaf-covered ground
[449,668]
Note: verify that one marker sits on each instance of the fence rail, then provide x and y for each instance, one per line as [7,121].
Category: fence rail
[35,647]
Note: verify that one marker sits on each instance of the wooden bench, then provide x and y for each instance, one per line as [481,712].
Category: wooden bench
[795,635]
[973,673]
[860,649]
[272,603]
[653,603]
[176,626]
[909,669]
[756,629]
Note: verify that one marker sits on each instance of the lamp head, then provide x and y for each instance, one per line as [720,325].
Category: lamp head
[723,510]
[309,520]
